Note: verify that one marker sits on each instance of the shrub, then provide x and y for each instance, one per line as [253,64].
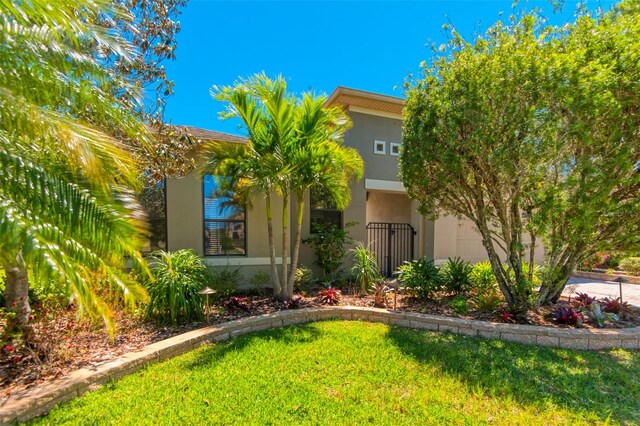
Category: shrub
[564,315]
[381,293]
[329,243]
[631,265]
[459,305]
[173,294]
[583,300]
[597,316]
[365,268]
[421,277]
[260,279]
[488,301]
[223,280]
[614,306]
[482,277]
[330,296]
[304,278]
[456,275]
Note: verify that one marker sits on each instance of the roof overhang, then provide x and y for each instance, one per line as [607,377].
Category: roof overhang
[366,102]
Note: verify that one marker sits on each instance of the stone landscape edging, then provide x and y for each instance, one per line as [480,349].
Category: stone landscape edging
[34,402]
[602,276]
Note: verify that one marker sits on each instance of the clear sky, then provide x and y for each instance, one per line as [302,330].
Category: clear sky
[317,45]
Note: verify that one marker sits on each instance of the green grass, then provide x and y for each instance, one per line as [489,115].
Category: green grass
[338,372]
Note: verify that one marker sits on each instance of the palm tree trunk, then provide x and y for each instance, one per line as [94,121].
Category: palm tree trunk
[284,289]
[296,247]
[272,249]
[16,296]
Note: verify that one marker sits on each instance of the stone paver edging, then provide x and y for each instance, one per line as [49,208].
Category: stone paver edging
[606,277]
[38,401]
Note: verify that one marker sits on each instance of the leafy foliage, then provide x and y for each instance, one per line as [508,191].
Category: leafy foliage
[614,306]
[459,305]
[482,277]
[330,245]
[554,160]
[295,144]
[238,303]
[421,277]
[173,294]
[583,300]
[330,296]
[597,316]
[455,275]
[565,315]
[224,280]
[66,204]
[365,267]
[631,265]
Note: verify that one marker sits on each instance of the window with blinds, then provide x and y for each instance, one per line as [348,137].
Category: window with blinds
[225,221]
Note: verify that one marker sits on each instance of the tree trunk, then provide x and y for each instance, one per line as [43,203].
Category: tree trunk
[284,289]
[16,297]
[296,247]
[272,249]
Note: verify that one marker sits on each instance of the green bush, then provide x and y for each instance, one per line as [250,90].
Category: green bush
[303,279]
[631,265]
[173,294]
[224,281]
[482,277]
[456,275]
[365,268]
[329,243]
[259,280]
[459,305]
[421,277]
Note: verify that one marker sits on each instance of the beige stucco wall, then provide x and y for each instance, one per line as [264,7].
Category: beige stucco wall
[454,237]
[388,207]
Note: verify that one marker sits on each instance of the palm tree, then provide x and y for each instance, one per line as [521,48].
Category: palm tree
[66,206]
[293,146]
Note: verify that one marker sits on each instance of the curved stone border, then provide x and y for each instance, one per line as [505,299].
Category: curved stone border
[605,277]
[38,401]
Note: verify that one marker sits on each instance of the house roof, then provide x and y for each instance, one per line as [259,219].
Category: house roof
[213,135]
[348,97]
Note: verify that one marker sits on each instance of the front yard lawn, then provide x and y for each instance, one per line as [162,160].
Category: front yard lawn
[338,372]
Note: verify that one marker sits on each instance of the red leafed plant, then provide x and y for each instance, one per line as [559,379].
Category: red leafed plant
[238,303]
[507,317]
[564,315]
[329,296]
[583,300]
[614,306]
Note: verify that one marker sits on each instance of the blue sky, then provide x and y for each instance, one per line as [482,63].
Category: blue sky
[316,45]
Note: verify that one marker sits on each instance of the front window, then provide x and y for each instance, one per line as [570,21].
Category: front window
[225,220]
[323,210]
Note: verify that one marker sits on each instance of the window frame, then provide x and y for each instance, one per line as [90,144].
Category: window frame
[375,147]
[205,221]
[394,145]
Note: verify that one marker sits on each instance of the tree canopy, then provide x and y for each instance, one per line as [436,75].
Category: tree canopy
[531,132]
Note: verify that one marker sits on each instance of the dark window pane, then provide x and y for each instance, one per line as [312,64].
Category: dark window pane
[323,210]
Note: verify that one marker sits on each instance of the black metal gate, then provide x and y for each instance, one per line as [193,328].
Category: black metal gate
[392,244]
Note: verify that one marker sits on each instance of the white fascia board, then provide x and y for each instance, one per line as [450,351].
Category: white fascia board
[384,185]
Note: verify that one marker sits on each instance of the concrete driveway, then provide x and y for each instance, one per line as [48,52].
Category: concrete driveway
[599,289]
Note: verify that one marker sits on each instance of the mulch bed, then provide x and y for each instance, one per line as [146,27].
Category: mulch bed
[65,343]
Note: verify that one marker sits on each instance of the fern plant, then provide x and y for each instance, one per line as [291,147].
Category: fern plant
[173,294]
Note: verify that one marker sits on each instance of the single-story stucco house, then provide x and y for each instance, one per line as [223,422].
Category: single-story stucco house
[385,217]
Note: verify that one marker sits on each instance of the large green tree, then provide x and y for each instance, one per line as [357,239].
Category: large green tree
[66,206]
[294,145]
[531,133]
